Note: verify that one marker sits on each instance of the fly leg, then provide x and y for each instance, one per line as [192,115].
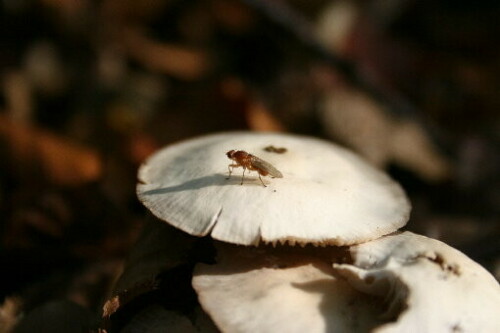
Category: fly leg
[261,180]
[243,176]
[230,167]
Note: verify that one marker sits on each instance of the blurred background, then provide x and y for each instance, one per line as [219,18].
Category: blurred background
[90,88]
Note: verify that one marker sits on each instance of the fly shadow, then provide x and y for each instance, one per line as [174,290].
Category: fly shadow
[218,179]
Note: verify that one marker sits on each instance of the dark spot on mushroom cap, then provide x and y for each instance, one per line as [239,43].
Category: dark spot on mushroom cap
[445,266]
[277,150]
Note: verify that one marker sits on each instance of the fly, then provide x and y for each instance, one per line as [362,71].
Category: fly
[252,163]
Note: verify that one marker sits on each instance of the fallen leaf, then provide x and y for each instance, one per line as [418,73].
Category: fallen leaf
[34,151]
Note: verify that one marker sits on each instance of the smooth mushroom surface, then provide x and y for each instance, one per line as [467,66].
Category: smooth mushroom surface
[261,290]
[328,195]
[438,288]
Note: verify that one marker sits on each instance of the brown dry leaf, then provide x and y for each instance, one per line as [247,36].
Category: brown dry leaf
[158,268]
[17,92]
[233,15]
[111,306]
[260,119]
[358,121]
[159,247]
[86,287]
[61,161]
[9,314]
[176,60]
[412,148]
[131,10]
[335,24]
[354,118]
[141,146]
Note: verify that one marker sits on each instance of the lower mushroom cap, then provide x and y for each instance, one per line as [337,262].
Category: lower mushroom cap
[398,283]
[252,290]
[327,195]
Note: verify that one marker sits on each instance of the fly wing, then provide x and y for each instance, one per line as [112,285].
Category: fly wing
[266,166]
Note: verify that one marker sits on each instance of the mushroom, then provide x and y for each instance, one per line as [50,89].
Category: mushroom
[282,289]
[438,287]
[328,195]
[397,283]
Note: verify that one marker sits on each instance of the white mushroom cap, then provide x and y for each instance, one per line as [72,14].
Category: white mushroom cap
[327,195]
[439,288]
[254,290]
[397,283]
